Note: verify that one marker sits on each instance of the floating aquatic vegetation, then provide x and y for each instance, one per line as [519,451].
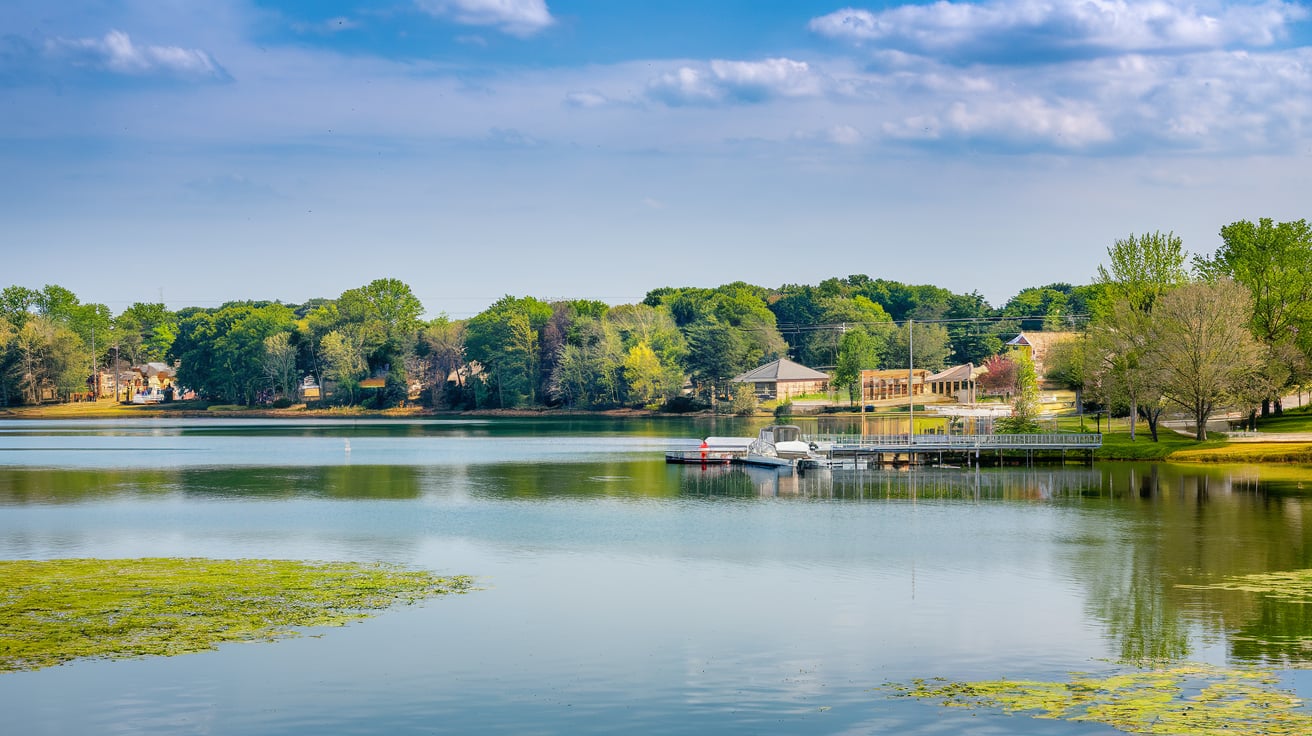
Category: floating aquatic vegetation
[1189,698]
[55,611]
[1294,586]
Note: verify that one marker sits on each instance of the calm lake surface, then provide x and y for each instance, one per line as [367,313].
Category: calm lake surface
[623,594]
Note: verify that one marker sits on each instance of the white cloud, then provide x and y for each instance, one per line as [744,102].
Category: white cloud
[521,18]
[586,99]
[844,135]
[116,52]
[1006,30]
[736,81]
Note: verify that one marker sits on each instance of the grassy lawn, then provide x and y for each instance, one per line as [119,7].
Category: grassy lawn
[1247,452]
[1116,445]
[1293,420]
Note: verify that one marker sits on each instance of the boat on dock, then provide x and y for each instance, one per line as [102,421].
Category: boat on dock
[775,446]
[778,446]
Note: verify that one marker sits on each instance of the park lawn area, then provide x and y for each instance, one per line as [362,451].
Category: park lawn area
[1292,420]
[1116,445]
[1247,452]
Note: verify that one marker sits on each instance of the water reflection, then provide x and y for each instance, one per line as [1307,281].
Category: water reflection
[888,484]
[593,543]
[1184,525]
[20,486]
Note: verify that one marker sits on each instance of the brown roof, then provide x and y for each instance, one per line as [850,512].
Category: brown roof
[373,383]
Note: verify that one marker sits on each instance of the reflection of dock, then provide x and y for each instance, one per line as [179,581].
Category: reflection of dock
[890,484]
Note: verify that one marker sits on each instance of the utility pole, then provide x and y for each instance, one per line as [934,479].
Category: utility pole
[911,377]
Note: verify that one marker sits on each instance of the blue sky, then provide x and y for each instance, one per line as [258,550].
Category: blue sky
[287,150]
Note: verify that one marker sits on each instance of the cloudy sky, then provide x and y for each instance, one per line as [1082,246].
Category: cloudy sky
[205,151]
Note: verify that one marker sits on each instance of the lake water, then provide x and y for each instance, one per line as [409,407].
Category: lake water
[619,593]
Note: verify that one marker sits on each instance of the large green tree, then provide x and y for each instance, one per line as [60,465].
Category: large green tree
[920,344]
[222,352]
[504,340]
[443,340]
[48,355]
[145,332]
[1273,261]
[716,353]
[1201,349]
[857,351]
[1140,269]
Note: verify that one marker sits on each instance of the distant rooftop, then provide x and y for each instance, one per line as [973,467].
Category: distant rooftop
[781,370]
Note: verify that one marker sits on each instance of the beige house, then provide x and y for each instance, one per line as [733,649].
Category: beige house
[956,383]
[1037,345]
[783,379]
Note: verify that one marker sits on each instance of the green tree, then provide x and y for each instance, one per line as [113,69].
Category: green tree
[931,346]
[1201,347]
[857,351]
[444,343]
[387,315]
[504,340]
[145,332]
[48,355]
[644,374]
[1274,262]
[16,304]
[343,359]
[280,364]
[8,359]
[1065,364]
[742,400]
[640,323]
[1140,270]
[222,352]
[1115,363]
[716,353]
[1025,404]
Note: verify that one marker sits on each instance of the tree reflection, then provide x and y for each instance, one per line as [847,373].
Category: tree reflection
[1184,525]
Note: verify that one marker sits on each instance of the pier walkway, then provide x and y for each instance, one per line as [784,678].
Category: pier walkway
[877,447]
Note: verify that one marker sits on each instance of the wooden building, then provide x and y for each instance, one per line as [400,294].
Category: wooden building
[892,384]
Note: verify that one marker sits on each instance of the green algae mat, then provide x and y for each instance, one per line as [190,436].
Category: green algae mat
[1185,699]
[55,611]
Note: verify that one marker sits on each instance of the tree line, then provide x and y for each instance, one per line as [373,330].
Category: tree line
[373,347]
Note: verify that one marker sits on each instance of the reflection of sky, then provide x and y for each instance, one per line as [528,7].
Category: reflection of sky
[619,594]
[685,613]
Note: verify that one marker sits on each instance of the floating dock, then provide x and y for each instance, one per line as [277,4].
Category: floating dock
[901,449]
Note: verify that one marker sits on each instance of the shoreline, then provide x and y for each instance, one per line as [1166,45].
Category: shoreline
[109,410]
[1281,449]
